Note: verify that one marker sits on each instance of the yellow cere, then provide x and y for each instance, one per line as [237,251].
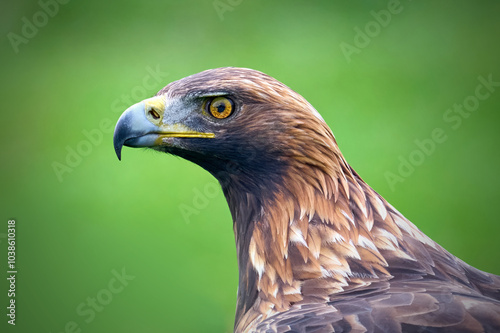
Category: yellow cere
[156,103]
[154,108]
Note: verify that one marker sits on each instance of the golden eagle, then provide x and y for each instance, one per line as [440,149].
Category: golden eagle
[318,249]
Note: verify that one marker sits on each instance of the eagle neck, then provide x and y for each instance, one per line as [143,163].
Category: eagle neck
[245,209]
[305,237]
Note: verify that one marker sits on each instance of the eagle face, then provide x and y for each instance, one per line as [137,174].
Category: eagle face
[318,249]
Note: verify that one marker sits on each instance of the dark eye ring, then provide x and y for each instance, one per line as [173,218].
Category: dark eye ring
[220,107]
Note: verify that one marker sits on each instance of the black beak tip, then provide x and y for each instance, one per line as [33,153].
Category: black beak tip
[118,151]
[118,145]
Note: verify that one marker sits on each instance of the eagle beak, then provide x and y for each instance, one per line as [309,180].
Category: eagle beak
[141,125]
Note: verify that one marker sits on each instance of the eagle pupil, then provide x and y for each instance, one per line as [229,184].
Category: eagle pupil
[221,108]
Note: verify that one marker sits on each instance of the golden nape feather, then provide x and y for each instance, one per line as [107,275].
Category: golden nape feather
[318,249]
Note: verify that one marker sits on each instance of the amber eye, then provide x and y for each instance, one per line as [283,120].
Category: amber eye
[220,107]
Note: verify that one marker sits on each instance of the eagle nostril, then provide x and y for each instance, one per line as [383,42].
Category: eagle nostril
[154,114]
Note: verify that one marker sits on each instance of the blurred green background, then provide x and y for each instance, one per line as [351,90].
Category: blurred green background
[70,69]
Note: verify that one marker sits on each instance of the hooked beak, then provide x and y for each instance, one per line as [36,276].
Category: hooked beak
[141,125]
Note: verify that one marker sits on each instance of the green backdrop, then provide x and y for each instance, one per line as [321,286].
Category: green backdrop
[146,244]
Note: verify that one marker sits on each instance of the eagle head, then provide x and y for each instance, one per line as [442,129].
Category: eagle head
[241,125]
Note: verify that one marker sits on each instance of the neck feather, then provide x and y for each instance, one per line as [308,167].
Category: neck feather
[320,232]
[312,229]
